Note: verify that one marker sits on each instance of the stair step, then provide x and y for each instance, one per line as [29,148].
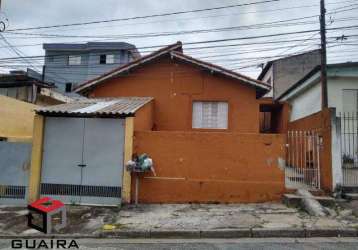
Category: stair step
[351,196]
[295,200]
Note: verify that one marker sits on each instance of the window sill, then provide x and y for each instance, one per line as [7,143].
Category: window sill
[210,130]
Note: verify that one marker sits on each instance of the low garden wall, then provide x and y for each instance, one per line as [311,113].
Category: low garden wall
[210,167]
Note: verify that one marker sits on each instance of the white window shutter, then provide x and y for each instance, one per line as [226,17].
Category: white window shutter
[197,114]
[223,115]
[109,59]
[212,115]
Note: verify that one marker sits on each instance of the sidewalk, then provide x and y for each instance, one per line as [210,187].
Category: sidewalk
[190,221]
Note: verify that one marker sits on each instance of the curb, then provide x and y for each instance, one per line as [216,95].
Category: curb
[52,236]
[348,232]
[203,234]
[187,234]
[226,233]
[278,233]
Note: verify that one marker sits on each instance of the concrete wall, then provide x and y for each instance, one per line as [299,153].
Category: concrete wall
[320,122]
[23,93]
[335,91]
[210,167]
[175,86]
[288,71]
[16,120]
[307,103]
[269,78]
[59,72]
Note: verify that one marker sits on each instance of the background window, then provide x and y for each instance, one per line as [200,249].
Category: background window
[102,59]
[68,87]
[74,60]
[212,115]
[106,59]
[109,59]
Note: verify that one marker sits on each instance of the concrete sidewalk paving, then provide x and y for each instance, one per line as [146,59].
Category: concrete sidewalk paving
[189,221]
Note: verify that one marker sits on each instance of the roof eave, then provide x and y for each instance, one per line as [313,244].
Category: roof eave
[124,68]
[261,86]
[265,70]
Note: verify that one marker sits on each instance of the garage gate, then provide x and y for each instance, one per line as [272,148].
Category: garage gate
[83,160]
[14,168]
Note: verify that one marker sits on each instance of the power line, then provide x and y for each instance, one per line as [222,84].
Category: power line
[146,35]
[219,41]
[146,16]
[272,24]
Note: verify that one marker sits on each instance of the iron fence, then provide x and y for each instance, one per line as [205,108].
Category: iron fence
[349,147]
[303,160]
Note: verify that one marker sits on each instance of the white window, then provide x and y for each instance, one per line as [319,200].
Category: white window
[106,59]
[109,59]
[212,115]
[74,60]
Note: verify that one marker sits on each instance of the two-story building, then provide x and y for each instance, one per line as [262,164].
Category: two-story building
[67,65]
[282,73]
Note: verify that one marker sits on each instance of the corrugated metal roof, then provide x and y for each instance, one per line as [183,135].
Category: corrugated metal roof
[106,107]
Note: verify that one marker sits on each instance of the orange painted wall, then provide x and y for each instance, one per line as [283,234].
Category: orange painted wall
[210,167]
[144,117]
[320,121]
[175,85]
[281,118]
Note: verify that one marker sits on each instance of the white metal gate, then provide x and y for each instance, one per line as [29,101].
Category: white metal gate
[83,160]
[15,160]
[303,161]
[349,148]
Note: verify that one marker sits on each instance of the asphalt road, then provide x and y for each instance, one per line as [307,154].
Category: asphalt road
[206,244]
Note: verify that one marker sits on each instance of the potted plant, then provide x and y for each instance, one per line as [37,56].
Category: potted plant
[348,161]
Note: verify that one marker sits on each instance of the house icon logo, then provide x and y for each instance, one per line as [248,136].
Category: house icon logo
[43,214]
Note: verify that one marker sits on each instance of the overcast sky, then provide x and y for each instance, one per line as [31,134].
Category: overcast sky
[25,13]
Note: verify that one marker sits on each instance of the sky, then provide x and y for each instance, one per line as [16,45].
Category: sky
[245,54]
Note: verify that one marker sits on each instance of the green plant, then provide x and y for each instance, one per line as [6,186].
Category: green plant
[348,159]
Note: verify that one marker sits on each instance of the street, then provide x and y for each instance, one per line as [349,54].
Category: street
[207,244]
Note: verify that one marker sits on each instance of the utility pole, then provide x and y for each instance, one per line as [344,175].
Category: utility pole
[323,56]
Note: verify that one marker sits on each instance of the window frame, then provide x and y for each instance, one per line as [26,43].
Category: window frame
[211,129]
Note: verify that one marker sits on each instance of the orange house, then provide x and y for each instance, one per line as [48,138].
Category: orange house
[202,130]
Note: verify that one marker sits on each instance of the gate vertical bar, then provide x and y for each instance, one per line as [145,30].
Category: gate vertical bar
[318,162]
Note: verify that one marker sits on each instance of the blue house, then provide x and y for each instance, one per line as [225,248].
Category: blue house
[67,65]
